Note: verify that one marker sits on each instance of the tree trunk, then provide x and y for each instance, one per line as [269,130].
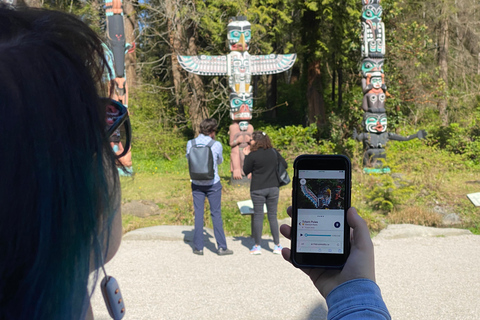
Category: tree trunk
[272,85]
[340,82]
[478,66]
[131,57]
[272,95]
[443,65]
[316,104]
[176,31]
[334,77]
[196,101]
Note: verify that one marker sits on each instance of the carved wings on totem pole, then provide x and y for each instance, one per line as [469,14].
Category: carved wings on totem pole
[239,66]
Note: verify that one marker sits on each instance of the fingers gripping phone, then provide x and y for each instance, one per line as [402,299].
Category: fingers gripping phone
[321,198]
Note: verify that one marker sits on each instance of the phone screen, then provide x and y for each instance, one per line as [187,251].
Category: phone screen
[321,211]
[321,198]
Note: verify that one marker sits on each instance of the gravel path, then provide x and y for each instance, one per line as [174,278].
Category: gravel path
[424,273]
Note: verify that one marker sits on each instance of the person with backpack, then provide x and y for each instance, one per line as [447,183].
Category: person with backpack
[204,154]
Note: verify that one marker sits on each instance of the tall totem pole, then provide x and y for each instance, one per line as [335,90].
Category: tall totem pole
[375,91]
[239,66]
[116,51]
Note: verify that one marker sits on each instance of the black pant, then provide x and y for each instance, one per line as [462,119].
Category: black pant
[259,198]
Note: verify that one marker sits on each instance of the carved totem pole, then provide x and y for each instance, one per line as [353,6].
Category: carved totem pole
[374,89]
[239,66]
[115,52]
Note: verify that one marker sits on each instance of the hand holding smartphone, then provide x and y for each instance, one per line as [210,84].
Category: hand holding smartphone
[321,197]
[359,265]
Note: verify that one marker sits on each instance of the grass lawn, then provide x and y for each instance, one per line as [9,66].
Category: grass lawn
[422,182]
[170,189]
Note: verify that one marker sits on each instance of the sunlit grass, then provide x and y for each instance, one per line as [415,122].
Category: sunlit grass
[167,183]
[421,178]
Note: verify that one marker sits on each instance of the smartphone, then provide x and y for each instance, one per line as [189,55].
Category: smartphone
[321,197]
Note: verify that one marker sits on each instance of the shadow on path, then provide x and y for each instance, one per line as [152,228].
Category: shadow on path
[209,244]
[248,242]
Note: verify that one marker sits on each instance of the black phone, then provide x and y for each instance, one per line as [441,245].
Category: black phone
[321,197]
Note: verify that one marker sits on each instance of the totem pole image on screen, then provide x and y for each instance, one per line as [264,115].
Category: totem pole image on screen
[322,194]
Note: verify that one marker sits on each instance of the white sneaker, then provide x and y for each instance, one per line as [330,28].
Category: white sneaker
[277,249]
[256,250]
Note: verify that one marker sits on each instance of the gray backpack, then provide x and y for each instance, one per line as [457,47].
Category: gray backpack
[200,161]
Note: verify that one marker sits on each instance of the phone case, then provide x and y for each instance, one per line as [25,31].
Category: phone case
[305,197]
[113,297]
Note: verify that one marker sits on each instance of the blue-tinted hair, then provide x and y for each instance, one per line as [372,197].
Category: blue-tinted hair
[58,175]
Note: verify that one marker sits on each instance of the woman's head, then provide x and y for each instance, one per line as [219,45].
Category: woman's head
[261,141]
[58,171]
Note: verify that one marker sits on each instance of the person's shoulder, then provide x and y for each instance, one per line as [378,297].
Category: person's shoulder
[212,142]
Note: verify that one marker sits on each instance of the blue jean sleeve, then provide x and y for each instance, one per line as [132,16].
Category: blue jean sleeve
[357,299]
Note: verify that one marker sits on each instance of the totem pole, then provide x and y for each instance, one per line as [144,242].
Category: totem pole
[115,53]
[239,66]
[374,89]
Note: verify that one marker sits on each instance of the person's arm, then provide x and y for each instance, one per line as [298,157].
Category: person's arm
[220,153]
[281,159]
[248,164]
[350,292]
[189,146]
[357,299]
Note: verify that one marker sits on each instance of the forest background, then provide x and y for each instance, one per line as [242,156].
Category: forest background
[432,70]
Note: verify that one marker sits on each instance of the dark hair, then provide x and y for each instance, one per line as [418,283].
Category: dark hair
[208,126]
[261,141]
[59,179]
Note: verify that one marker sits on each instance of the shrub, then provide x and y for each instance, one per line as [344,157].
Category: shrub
[296,140]
[154,136]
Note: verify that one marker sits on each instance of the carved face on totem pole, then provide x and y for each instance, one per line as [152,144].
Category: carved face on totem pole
[375,122]
[240,106]
[374,67]
[243,125]
[240,75]
[239,33]
[372,71]
[373,30]
[239,36]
